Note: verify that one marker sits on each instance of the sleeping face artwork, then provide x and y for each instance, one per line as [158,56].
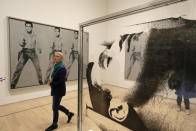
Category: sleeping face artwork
[103,99]
[104,103]
[169,48]
[118,110]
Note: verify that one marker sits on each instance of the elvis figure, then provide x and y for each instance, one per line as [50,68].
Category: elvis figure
[73,55]
[29,44]
[56,46]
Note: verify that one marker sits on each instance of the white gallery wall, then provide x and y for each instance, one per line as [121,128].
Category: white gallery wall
[62,13]
[115,28]
[68,14]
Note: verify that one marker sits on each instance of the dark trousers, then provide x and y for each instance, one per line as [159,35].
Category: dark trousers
[186,102]
[56,107]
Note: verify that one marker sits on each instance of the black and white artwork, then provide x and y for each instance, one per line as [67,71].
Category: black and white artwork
[165,54]
[136,43]
[113,108]
[32,46]
[134,53]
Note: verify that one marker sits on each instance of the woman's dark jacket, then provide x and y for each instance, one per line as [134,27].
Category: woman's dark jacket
[58,86]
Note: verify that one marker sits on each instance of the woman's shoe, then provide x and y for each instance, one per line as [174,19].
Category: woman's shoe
[178,108]
[187,111]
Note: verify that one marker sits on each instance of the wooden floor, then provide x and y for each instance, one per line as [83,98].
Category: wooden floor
[36,114]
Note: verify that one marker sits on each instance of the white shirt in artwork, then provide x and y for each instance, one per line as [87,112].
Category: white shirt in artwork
[57,43]
[29,40]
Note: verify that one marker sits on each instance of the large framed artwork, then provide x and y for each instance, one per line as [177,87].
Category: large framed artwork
[31,48]
[161,60]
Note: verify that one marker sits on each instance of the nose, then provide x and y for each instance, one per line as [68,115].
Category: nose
[119,108]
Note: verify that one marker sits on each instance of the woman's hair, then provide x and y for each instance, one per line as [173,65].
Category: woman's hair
[60,53]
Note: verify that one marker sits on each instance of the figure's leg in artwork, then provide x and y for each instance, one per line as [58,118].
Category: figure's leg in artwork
[128,71]
[68,69]
[36,63]
[21,63]
[48,71]
[71,61]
